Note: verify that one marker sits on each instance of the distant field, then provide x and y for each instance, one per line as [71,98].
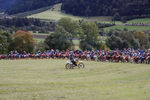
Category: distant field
[38,40]
[54,13]
[138,28]
[40,34]
[76,44]
[49,80]
[39,37]
[140,20]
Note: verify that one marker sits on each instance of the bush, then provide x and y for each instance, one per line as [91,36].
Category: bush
[5,42]
[23,41]
[60,39]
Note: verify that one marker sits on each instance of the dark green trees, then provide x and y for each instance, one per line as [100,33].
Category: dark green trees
[67,30]
[5,42]
[107,7]
[127,39]
[90,38]
[60,39]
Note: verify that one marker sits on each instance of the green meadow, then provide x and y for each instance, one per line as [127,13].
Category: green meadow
[137,28]
[47,79]
[139,20]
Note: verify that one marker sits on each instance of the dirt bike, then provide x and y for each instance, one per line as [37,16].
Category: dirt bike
[70,65]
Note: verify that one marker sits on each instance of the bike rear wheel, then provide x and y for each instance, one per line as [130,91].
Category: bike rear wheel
[68,66]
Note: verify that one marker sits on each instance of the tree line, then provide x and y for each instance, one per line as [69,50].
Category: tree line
[116,8]
[27,24]
[67,30]
[120,9]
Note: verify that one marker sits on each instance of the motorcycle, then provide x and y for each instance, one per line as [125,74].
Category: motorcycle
[70,65]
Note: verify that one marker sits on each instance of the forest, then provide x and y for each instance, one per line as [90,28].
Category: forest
[4,4]
[118,8]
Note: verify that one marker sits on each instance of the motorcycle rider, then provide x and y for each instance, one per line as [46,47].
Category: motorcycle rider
[73,60]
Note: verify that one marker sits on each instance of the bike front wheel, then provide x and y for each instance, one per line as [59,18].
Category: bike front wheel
[81,65]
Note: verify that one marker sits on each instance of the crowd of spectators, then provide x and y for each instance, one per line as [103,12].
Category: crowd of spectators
[126,55]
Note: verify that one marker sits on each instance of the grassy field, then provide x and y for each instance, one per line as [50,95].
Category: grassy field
[49,80]
[53,13]
[140,20]
[137,28]
[38,40]
[76,44]
[38,35]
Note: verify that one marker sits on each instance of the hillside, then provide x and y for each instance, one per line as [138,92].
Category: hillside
[53,13]
[28,5]
[4,4]
[107,7]
[116,8]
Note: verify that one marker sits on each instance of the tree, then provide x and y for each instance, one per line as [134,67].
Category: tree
[40,46]
[23,41]
[143,39]
[90,37]
[70,26]
[114,42]
[5,42]
[60,39]
[116,16]
[116,8]
[129,38]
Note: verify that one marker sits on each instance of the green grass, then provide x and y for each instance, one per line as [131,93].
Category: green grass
[53,13]
[137,28]
[37,40]
[100,19]
[140,20]
[76,44]
[49,80]
[40,34]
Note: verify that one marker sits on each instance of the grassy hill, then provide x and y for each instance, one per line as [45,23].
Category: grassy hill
[139,20]
[54,13]
[49,80]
